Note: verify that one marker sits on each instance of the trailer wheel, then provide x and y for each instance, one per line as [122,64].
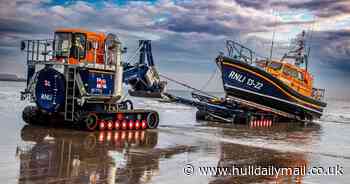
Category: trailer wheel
[152,120]
[201,115]
[91,122]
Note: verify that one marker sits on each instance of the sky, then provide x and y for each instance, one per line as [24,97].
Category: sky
[187,35]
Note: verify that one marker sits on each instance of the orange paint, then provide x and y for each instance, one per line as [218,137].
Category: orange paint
[91,39]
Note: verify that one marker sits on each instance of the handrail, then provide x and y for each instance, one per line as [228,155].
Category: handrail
[318,93]
[239,51]
[244,54]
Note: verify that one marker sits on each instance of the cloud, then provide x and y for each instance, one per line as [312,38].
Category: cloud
[187,35]
[321,8]
[332,48]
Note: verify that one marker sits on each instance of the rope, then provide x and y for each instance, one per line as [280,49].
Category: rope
[210,79]
[186,85]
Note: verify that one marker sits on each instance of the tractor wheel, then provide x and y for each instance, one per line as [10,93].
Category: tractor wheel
[91,122]
[152,120]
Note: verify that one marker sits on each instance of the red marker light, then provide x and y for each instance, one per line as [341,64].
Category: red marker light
[131,124]
[137,124]
[143,124]
[110,125]
[124,125]
[117,125]
[102,124]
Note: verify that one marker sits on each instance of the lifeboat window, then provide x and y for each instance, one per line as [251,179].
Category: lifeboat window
[275,65]
[291,72]
[300,76]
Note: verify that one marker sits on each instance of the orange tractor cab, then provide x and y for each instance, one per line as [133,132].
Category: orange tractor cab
[79,45]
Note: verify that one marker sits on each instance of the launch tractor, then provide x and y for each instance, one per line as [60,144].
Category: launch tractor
[78,77]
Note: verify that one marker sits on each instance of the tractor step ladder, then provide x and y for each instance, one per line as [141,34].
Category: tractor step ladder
[70,93]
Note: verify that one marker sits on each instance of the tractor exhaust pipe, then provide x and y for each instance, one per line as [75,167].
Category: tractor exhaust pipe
[118,76]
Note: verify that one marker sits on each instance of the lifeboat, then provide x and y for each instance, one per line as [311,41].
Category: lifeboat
[283,85]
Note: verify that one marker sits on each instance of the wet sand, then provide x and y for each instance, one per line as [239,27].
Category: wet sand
[33,154]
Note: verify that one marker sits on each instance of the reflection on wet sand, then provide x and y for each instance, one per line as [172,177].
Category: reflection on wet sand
[51,155]
[242,156]
[248,157]
[67,156]
[296,132]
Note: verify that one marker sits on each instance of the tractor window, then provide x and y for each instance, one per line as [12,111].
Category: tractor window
[62,44]
[78,48]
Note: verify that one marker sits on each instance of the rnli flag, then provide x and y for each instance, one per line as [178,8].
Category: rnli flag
[47,83]
[101,83]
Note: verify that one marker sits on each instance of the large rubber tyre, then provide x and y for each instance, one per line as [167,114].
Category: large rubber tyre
[152,120]
[27,114]
[32,115]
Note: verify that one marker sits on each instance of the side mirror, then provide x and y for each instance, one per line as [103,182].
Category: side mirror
[23,45]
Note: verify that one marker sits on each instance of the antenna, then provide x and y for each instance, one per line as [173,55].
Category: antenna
[309,49]
[271,49]
[307,59]
[273,35]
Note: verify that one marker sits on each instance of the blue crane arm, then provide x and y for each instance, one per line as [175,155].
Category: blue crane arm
[142,76]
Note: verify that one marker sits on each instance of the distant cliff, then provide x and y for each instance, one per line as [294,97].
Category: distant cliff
[10,77]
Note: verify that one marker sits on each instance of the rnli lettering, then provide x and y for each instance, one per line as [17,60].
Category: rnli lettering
[236,76]
[245,80]
[46,97]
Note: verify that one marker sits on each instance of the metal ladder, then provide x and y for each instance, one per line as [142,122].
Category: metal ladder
[70,93]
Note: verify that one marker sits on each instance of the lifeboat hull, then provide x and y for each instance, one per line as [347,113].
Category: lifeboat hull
[249,83]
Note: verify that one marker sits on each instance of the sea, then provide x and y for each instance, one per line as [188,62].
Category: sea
[182,149]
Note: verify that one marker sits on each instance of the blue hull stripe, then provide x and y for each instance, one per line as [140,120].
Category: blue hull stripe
[271,97]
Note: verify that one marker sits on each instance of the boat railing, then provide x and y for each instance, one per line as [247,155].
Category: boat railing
[245,54]
[38,50]
[318,93]
[44,52]
[240,52]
